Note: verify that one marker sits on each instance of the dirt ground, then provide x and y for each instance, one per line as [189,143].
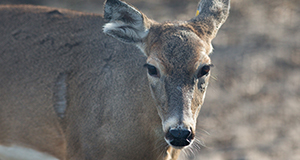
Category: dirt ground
[252,107]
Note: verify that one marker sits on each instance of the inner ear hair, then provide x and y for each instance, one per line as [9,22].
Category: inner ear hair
[126,23]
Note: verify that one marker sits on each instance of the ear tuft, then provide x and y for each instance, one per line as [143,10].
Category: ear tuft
[126,23]
[124,33]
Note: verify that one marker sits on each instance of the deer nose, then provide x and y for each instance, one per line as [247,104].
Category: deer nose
[179,137]
[180,133]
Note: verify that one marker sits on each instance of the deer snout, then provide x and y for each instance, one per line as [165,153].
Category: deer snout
[179,137]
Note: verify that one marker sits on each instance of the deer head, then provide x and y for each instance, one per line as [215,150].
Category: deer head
[178,62]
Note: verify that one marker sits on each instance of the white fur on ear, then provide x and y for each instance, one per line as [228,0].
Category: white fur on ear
[112,26]
[125,32]
[126,23]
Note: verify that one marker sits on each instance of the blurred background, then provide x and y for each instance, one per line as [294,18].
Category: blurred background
[252,106]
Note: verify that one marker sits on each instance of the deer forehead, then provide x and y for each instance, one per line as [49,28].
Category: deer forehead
[175,48]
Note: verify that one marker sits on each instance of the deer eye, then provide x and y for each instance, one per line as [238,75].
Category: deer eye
[152,71]
[204,71]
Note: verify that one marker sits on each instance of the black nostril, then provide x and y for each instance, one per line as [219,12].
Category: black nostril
[180,133]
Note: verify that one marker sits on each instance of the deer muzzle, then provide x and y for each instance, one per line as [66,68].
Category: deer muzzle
[179,137]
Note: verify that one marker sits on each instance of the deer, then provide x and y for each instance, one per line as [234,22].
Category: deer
[118,86]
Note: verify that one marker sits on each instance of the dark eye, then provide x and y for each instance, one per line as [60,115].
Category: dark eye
[204,71]
[152,71]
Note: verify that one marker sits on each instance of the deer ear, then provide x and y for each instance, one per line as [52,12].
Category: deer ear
[125,23]
[210,16]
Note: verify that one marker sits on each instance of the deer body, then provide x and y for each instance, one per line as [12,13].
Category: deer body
[68,91]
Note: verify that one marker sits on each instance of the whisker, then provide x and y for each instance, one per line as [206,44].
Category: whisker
[196,146]
[163,151]
[206,132]
[160,148]
[214,77]
[194,149]
[200,143]
[184,153]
